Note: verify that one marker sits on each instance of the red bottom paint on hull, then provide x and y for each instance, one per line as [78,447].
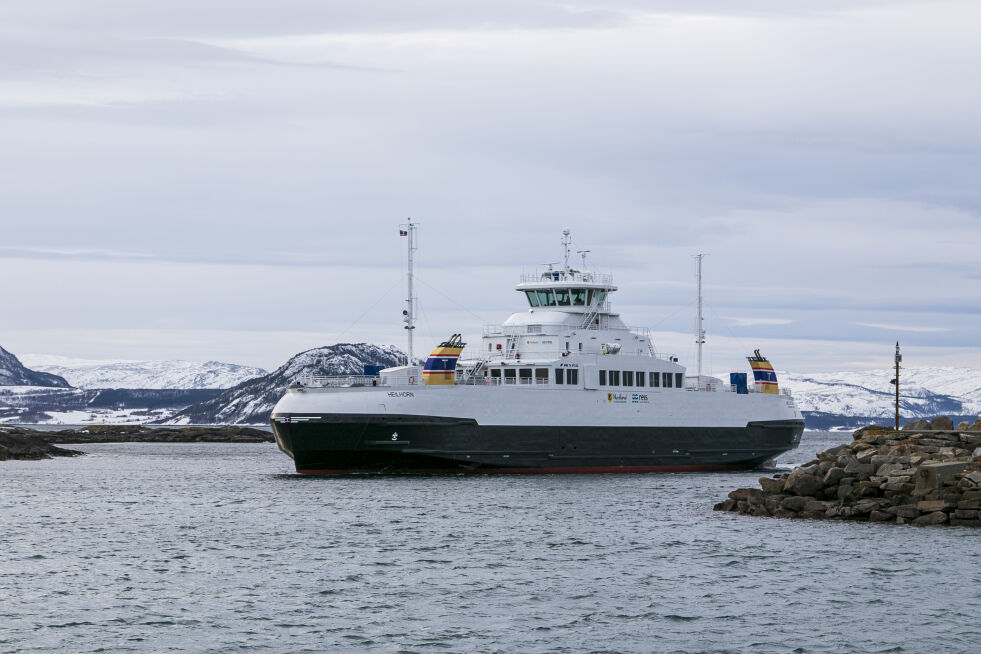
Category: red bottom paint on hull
[571,470]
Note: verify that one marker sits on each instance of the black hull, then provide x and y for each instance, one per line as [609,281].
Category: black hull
[349,443]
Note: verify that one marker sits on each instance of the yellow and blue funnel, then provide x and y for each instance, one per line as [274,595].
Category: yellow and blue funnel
[763,374]
[440,367]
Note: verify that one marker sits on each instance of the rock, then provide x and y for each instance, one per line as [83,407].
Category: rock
[755,497]
[891,469]
[793,503]
[963,426]
[935,518]
[974,478]
[740,493]
[966,514]
[833,476]
[904,510]
[815,505]
[772,502]
[861,471]
[771,485]
[976,455]
[934,475]
[931,506]
[969,504]
[880,516]
[26,444]
[727,505]
[977,425]
[924,443]
[871,430]
[919,425]
[863,507]
[803,484]
[941,422]
[759,510]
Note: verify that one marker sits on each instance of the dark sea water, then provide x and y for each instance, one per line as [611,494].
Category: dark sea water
[221,548]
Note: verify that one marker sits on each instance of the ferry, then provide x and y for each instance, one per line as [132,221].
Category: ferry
[562,386]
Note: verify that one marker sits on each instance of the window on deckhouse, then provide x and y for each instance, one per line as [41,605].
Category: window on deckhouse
[579,297]
[572,375]
[545,298]
[559,375]
[532,298]
[628,377]
[562,297]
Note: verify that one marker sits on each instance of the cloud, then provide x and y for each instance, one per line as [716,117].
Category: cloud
[904,328]
[753,322]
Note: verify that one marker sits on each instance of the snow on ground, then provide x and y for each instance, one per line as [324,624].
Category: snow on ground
[124,373]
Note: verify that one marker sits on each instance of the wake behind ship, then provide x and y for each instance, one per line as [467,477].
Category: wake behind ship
[561,387]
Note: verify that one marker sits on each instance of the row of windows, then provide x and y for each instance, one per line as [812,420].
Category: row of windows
[565,297]
[641,379]
[536,375]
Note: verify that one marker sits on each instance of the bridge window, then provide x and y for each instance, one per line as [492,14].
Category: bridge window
[640,377]
[532,298]
[602,378]
[628,377]
[666,378]
[562,297]
[655,379]
[579,297]
[600,296]
[545,298]
[572,375]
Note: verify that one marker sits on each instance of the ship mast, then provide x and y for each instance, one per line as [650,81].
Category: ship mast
[566,240]
[409,314]
[699,329]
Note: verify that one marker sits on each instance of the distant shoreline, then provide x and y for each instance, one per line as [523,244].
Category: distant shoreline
[25,443]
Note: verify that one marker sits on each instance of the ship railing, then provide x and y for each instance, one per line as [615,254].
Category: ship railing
[729,388]
[572,276]
[342,381]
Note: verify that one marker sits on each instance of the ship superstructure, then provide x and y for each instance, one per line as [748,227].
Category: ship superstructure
[562,386]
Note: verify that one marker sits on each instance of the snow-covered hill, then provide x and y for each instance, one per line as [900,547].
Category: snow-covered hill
[14,373]
[121,373]
[251,401]
[924,392]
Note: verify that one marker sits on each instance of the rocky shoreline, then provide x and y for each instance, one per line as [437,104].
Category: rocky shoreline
[25,443]
[927,474]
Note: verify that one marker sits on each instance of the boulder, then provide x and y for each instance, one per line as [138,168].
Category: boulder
[931,506]
[942,422]
[966,514]
[803,484]
[904,510]
[833,476]
[771,485]
[793,503]
[880,516]
[740,493]
[918,425]
[935,518]
[934,475]
[963,425]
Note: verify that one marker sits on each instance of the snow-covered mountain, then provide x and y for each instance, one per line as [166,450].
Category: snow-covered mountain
[252,401]
[122,373]
[15,373]
[924,392]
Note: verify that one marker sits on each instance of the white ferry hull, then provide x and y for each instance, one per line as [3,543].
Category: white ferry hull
[516,429]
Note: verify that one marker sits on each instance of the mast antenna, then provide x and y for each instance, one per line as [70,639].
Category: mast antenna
[699,325]
[566,241]
[409,314]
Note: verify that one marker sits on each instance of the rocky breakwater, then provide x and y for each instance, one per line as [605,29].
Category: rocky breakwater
[927,474]
[20,443]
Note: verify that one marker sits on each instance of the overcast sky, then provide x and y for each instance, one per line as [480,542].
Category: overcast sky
[225,180]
